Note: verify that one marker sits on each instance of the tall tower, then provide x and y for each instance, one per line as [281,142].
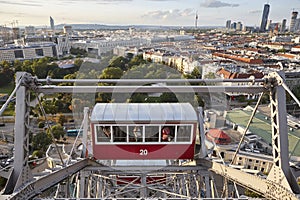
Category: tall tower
[239,26]
[228,24]
[293,21]
[52,23]
[264,19]
[283,26]
[196,20]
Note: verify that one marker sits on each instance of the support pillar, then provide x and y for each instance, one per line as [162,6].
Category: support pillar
[280,172]
[21,173]
[85,131]
[143,190]
[82,185]
[207,186]
[203,151]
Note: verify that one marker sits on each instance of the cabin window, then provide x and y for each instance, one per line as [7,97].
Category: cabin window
[103,133]
[167,133]
[151,133]
[184,133]
[119,133]
[136,133]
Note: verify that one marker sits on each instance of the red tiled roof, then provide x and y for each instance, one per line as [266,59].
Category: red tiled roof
[218,136]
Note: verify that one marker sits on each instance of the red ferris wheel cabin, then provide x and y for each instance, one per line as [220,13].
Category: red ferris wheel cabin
[143,131]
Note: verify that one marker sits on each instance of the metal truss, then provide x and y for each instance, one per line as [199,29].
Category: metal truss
[174,182]
[265,187]
[280,172]
[94,180]
[21,173]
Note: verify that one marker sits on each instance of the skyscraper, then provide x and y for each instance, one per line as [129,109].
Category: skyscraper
[233,26]
[293,21]
[228,24]
[264,19]
[283,25]
[239,26]
[196,20]
[52,23]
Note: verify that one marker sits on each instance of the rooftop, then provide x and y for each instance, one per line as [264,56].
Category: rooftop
[261,126]
[150,112]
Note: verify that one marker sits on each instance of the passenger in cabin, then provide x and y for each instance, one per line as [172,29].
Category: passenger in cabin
[167,134]
[137,134]
[106,134]
[106,130]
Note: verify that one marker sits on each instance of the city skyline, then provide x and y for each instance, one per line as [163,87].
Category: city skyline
[143,12]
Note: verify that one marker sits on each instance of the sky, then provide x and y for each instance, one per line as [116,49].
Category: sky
[143,12]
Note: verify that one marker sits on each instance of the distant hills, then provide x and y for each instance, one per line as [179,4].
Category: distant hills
[125,27]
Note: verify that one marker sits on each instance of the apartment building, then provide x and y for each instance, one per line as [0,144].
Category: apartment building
[28,52]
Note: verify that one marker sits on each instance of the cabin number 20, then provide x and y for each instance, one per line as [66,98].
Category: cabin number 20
[143,152]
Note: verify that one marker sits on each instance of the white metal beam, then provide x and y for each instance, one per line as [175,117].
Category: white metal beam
[49,89]
[264,187]
[280,172]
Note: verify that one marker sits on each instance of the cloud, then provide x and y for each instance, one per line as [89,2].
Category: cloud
[22,3]
[255,11]
[217,4]
[169,14]
[99,2]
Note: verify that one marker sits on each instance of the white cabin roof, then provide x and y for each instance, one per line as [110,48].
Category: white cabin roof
[133,112]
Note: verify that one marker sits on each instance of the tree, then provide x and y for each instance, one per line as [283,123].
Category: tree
[26,67]
[6,76]
[111,73]
[57,131]
[137,60]
[17,65]
[78,62]
[138,98]
[119,62]
[40,68]
[61,119]
[196,72]
[168,97]
[129,56]
[38,154]
[49,106]
[41,141]
[4,64]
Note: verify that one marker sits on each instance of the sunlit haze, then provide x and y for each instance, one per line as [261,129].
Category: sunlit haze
[143,12]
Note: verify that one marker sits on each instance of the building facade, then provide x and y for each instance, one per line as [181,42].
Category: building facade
[228,24]
[264,19]
[283,26]
[52,24]
[293,21]
[28,52]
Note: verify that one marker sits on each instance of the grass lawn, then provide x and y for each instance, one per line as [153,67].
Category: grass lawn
[262,127]
[7,89]
[9,112]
